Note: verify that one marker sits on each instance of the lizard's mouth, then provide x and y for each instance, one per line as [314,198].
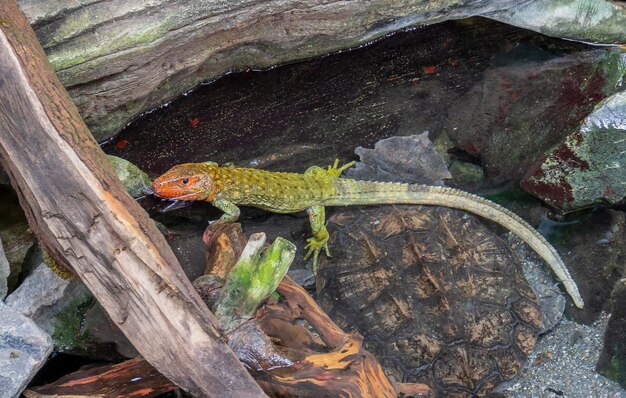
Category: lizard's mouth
[174,204]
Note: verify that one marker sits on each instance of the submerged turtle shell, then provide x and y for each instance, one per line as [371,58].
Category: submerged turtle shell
[439,298]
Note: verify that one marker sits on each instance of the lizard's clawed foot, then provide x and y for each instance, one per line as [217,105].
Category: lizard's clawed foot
[314,247]
[336,172]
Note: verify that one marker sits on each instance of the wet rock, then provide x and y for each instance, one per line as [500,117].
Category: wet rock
[24,348]
[586,20]
[412,159]
[588,167]
[303,277]
[141,54]
[465,174]
[101,337]
[187,245]
[4,178]
[17,238]
[136,182]
[4,273]
[68,312]
[612,362]
[529,102]
[593,247]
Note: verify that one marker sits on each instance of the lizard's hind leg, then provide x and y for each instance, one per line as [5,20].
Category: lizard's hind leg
[319,240]
[332,172]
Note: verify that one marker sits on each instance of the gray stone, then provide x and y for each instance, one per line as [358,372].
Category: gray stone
[17,238]
[466,173]
[4,272]
[585,20]
[24,348]
[119,58]
[612,362]
[136,182]
[41,289]
[519,110]
[67,311]
[412,159]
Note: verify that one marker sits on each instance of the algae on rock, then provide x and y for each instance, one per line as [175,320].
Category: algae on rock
[590,165]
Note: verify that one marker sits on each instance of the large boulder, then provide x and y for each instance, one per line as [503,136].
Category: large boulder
[521,109]
[119,58]
[588,167]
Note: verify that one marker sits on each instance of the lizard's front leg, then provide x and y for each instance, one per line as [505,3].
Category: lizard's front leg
[231,211]
[319,240]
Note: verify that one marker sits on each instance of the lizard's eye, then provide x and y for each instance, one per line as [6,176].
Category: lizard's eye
[185,181]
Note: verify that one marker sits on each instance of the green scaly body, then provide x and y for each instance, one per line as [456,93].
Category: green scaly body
[229,187]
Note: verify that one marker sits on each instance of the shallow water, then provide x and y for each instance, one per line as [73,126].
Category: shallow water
[313,112]
[478,76]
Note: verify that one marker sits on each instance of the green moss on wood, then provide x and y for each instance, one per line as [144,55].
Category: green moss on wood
[254,278]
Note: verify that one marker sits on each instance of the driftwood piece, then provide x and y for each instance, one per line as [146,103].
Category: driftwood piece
[86,220]
[252,280]
[134,378]
[290,346]
[326,362]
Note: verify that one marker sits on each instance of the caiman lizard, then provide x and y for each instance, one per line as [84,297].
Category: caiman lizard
[228,187]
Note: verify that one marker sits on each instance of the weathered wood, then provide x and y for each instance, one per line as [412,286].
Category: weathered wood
[134,378]
[85,219]
[255,276]
[287,358]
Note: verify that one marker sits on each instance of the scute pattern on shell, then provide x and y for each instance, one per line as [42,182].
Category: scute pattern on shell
[439,298]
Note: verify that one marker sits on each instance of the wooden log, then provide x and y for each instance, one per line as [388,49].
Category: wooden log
[276,344]
[134,378]
[85,219]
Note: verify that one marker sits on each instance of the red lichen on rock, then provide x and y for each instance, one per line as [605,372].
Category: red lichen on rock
[554,187]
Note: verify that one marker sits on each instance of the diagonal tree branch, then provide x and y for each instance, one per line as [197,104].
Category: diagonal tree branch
[85,219]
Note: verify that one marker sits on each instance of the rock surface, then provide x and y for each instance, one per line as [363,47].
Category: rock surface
[412,159]
[593,247]
[612,362]
[4,273]
[136,182]
[519,110]
[41,289]
[67,311]
[17,238]
[23,350]
[119,58]
[588,167]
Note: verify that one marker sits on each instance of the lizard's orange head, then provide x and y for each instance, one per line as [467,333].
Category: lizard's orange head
[189,181]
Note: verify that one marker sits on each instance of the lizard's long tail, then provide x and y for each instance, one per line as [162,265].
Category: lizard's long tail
[352,192]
